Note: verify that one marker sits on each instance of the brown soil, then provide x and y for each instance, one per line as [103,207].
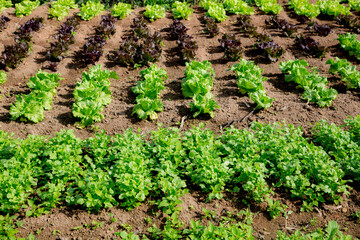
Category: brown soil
[288,107]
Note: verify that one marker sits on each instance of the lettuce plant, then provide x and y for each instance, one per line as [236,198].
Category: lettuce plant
[333,7]
[91,95]
[140,48]
[205,4]
[349,74]
[250,81]
[231,47]
[217,12]
[310,46]
[210,26]
[4,4]
[3,77]
[181,10]
[60,8]
[350,43]
[313,84]
[14,54]
[269,6]
[244,22]
[26,7]
[197,84]
[304,8]
[121,10]
[153,12]
[91,9]
[354,5]
[322,30]
[282,24]
[349,21]
[238,7]
[31,107]
[64,38]
[148,91]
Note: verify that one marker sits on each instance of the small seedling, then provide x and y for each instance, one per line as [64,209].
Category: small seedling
[148,220]
[126,226]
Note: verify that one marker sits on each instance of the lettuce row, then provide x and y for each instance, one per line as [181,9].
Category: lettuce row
[25,7]
[347,71]
[91,95]
[350,43]
[91,9]
[104,171]
[153,12]
[60,8]
[238,7]
[31,107]
[250,81]
[333,7]
[269,6]
[197,84]
[121,10]
[313,84]
[305,8]
[148,91]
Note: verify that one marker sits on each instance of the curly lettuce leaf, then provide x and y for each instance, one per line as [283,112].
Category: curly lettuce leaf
[3,77]
[4,4]
[304,7]
[153,12]
[269,6]
[203,104]
[217,12]
[58,11]
[25,7]
[238,7]
[91,9]
[181,10]
[121,10]
[333,7]
[147,107]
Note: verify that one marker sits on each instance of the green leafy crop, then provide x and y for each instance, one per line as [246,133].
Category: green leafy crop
[313,84]
[197,84]
[92,94]
[121,10]
[332,7]
[31,107]
[269,6]
[91,9]
[217,11]
[4,4]
[354,5]
[3,77]
[349,74]
[250,80]
[304,7]
[238,7]
[60,8]
[181,10]
[340,145]
[148,91]
[153,12]
[350,43]
[25,7]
